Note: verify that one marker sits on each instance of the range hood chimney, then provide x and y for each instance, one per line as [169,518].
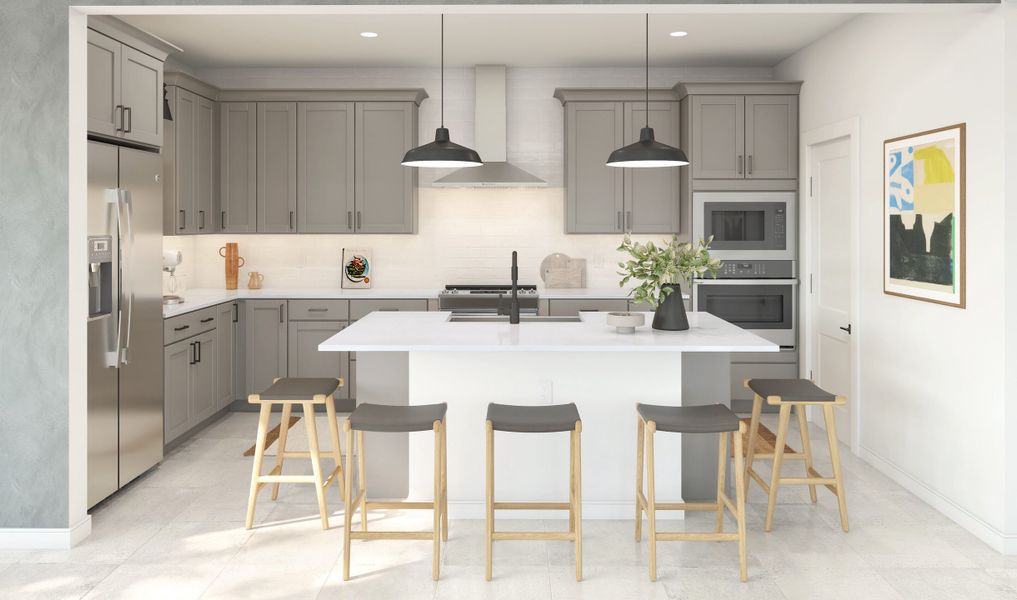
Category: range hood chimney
[490,124]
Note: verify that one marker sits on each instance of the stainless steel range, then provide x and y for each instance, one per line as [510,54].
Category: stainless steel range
[487,299]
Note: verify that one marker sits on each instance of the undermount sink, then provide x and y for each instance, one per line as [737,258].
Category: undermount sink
[461,318]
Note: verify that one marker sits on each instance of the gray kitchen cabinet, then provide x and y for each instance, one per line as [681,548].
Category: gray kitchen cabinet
[203,390]
[652,195]
[572,307]
[103,84]
[305,360]
[226,354]
[277,167]
[177,359]
[238,165]
[594,192]
[325,167]
[124,91]
[771,137]
[385,192]
[190,187]
[718,137]
[265,350]
[141,95]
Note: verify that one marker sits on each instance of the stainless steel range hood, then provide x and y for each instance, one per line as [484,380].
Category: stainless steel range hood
[490,124]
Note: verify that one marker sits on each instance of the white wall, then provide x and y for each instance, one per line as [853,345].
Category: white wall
[932,377]
[1011,262]
[464,235]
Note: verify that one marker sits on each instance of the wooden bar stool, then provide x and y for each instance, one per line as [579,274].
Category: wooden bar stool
[400,419]
[796,394]
[537,419]
[713,418]
[307,392]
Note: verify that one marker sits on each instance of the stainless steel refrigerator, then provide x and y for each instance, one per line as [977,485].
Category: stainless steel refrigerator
[125,364]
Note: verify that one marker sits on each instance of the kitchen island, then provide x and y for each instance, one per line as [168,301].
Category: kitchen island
[428,357]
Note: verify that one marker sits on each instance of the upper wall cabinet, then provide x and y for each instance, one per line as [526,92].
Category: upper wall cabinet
[385,191]
[277,167]
[124,91]
[191,186]
[238,164]
[325,166]
[602,199]
[743,130]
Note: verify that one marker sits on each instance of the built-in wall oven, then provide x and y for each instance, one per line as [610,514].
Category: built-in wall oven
[747,225]
[766,307]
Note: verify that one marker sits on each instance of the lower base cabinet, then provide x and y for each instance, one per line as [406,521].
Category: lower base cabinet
[265,350]
[305,360]
[189,390]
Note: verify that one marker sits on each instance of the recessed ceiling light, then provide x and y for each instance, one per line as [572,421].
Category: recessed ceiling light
[678,33]
[368,34]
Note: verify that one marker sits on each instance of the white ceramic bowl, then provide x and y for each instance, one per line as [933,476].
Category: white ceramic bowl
[626,322]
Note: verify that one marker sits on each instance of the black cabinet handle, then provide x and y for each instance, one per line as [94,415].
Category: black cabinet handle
[181,328]
[317,310]
[620,226]
[388,310]
[281,318]
[198,344]
[847,329]
[194,353]
[628,219]
[236,312]
[208,319]
[183,219]
[349,219]
[201,214]
[740,168]
[291,219]
[749,169]
[222,221]
[360,220]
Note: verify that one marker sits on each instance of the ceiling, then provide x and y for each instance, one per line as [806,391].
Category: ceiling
[537,40]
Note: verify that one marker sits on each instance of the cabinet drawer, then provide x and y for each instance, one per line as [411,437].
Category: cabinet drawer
[574,307]
[184,326]
[319,310]
[361,308]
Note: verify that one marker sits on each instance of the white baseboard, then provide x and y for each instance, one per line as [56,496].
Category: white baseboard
[592,511]
[45,539]
[1001,542]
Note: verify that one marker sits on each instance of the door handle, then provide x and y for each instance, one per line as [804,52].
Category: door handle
[127,117]
[291,219]
[749,161]
[126,267]
[183,219]
[201,214]
[222,221]
[847,329]
[118,117]
[740,164]
[349,219]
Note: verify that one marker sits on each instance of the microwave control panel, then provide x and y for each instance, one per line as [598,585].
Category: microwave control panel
[780,225]
[756,269]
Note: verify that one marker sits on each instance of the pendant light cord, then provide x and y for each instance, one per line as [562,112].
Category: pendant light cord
[647,69]
[443,69]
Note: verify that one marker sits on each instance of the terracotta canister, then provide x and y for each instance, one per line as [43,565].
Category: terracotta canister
[233,263]
[255,280]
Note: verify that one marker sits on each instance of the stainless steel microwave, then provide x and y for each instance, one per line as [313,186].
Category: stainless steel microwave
[766,307]
[747,225]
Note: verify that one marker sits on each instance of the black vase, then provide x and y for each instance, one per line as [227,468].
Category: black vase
[670,314]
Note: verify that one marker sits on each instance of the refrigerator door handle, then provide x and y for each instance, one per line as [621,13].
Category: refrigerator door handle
[126,284]
[112,198]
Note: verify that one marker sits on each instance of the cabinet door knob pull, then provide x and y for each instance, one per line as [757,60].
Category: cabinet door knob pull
[281,318]
[750,164]
[194,353]
[198,343]
[317,310]
[291,219]
[349,220]
[181,328]
[236,312]
[118,117]
[359,221]
[208,320]
[183,219]
[740,164]
[620,226]
[127,117]
[201,215]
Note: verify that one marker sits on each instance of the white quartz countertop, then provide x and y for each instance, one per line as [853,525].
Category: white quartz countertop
[433,332]
[198,298]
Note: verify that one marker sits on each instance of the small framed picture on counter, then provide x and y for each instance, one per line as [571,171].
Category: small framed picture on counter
[356,268]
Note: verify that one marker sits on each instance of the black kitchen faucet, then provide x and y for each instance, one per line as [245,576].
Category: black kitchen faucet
[514,304]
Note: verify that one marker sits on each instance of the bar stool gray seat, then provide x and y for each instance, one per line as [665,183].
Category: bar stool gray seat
[401,419]
[714,418]
[307,392]
[537,419]
[795,394]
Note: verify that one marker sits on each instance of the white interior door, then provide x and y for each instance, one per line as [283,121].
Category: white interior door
[830,284]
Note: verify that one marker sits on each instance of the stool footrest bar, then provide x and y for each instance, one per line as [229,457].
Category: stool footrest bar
[391,535]
[533,535]
[689,536]
[401,505]
[532,506]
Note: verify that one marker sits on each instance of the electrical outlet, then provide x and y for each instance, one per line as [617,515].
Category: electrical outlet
[546,391]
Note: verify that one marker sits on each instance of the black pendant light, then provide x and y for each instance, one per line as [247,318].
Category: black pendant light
[442,153]
[647,152]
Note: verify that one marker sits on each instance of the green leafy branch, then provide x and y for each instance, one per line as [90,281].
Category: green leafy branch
[655,266]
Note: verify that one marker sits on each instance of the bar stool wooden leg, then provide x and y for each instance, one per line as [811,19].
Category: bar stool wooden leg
[803,427]
[436,510]
[489,529]
[651,504]
[259,457]
[640,434]
[444,480]
[721,478]
[280,456]
[757,408]
[337,452]
[740,501]
[778,458]
[578,509]
[362,480]
[348,508]
[831,434]
[312,442]
[572,482]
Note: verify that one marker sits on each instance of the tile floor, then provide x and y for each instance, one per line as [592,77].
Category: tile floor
[178,533]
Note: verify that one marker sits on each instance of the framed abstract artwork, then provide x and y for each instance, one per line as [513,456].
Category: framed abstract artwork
[923,216]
